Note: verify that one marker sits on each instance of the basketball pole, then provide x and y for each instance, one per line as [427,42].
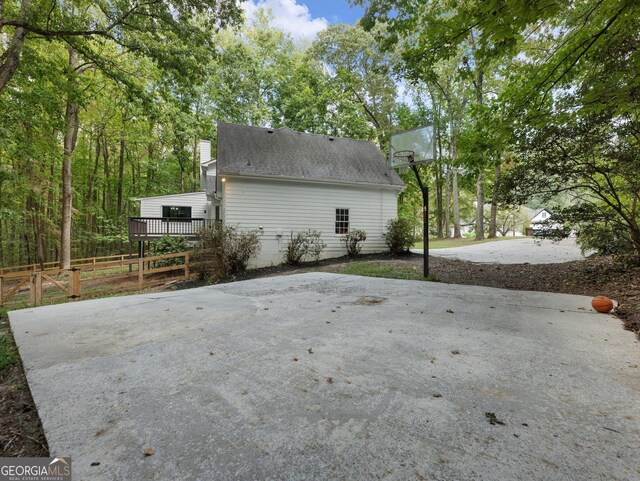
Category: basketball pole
[425,218]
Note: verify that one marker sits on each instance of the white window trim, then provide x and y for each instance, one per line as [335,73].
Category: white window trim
[335,220]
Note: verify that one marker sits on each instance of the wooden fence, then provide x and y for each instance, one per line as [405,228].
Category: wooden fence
[53,265]
[76,282]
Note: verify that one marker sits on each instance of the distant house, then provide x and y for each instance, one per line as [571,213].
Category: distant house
[538,220]
[538,216]
[280,181]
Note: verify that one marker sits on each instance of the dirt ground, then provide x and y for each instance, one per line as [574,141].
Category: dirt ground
[20,429]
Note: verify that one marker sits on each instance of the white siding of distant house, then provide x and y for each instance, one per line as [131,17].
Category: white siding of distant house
[200,206]
[541,216]
[281,207]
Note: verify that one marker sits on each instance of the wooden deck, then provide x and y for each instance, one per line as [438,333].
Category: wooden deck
[150,228]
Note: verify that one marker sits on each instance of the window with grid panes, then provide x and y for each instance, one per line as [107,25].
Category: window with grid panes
[342,221]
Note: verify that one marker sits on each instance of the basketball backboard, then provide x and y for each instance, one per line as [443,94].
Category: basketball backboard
[420,141]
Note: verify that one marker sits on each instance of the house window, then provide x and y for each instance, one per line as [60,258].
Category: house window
[544,215]
[342,221]
[179,212]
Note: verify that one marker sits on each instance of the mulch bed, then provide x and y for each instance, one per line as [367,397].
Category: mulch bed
[20,429]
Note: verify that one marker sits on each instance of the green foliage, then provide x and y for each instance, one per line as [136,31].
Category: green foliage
[606,239]
[169,245]
[399,236]
[303,245]
[174,34]
[594,159]
[363,71]
[224,250]
[353,241]
[8,353]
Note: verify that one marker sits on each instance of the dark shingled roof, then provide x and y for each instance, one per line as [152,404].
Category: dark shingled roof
[284,152]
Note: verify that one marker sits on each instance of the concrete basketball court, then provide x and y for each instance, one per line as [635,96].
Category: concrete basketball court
[514,251]
[332,377]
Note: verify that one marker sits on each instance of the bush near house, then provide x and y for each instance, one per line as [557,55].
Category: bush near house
[302,245]
[224,250]
[169,245]
[399,236]
[353,241]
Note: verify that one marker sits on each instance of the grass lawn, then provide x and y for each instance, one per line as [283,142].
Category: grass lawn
[446,243]
[8,351]
[383,269]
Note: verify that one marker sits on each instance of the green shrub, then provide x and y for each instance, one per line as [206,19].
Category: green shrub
[296,248]
[170,245]
[224,250]
[399,236]
[353,242]
[304,245]
[608,239]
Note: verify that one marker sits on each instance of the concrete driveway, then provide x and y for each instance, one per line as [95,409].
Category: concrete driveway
[332,377]
[517,251]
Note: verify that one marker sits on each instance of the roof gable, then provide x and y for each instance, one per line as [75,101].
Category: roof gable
[246,150]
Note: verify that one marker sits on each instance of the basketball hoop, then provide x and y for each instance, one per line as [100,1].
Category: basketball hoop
[407,149]
[404,157]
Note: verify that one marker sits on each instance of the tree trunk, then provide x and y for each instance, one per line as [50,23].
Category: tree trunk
[120,175]
[457,234]
[39,236]
[453,155]
[10,59]
[479,187]
[447,208]
[480,206]
[151,153]
[439,200]
[70,137]
[194,161]
[494,204]
[106,190]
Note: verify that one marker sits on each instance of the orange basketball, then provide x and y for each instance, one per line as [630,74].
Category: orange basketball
[602,304]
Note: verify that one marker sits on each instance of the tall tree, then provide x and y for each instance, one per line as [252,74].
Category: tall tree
[360,67]
[160,30]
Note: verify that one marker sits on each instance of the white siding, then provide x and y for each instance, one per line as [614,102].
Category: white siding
[281,207]
[200,205]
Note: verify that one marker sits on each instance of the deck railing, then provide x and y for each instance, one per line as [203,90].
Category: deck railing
[143,228]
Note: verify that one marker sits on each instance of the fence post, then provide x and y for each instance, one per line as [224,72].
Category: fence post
[140,272]
[35,288]
[1,287]
[74,282]
[186,266]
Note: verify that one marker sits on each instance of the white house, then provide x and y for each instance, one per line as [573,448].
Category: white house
[539,216]
[280,181]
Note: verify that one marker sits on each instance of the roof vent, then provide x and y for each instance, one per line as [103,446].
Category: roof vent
[332,138]
[270,131]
